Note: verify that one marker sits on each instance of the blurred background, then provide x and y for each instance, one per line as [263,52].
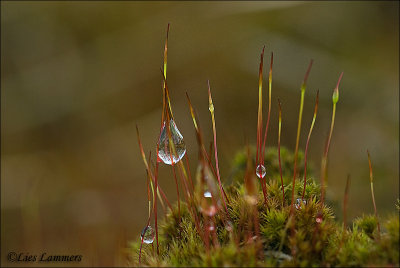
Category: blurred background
[77,76]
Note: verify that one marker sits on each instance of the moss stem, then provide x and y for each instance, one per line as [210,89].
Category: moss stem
[371,177]
[303,90]
[335,99]
[279,151]
[308,140]
[211,108]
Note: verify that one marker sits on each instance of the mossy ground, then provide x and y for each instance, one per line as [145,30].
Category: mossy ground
[282,240]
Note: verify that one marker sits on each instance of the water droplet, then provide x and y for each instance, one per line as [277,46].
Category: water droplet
[211,107]
[211,211]
[207,194]
[318,219]
[229,226]
[298,203]
[147,235]
[164,152]
[211,227]
[260,171]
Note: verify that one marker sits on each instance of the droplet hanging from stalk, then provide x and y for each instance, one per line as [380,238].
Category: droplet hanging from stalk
[165,153]
[207,194]
[299,203]
[209,202]
[261,171]
[319,218]
[147,235]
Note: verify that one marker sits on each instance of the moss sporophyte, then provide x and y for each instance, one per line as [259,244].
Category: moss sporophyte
[272,214]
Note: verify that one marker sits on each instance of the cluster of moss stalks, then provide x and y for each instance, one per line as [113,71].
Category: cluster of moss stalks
[283,240]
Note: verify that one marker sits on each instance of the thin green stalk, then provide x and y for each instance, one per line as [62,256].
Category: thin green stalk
[308,140]
[335,99]
[259,155]
[269,105]
[165,91]
[211,108]
[303,90]
[371,178]
[200,141]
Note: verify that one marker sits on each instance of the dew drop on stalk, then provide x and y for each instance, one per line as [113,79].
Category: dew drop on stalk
[298,203]
[318,219]
[165,153]
[229,226]
[210,211]
[207,194]
[260,171]
[147,235]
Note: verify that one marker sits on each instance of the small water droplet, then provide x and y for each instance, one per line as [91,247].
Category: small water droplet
[211,107]
[298,203]
[318,219]
[207,194]
[164,152]
[147,235]
[210,211]
[211,227]
[260,171]
[229,226]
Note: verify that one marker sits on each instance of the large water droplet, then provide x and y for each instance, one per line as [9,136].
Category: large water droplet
[298,203]
[260,171]
[164,152]
[147,235]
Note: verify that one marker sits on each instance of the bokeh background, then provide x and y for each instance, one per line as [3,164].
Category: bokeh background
[77,76]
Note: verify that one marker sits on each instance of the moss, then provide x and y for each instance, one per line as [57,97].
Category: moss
[283,240]
[362,247]
[367,224]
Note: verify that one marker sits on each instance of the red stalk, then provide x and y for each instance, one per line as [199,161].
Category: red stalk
[279,151]
[269,105]
[211,107]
